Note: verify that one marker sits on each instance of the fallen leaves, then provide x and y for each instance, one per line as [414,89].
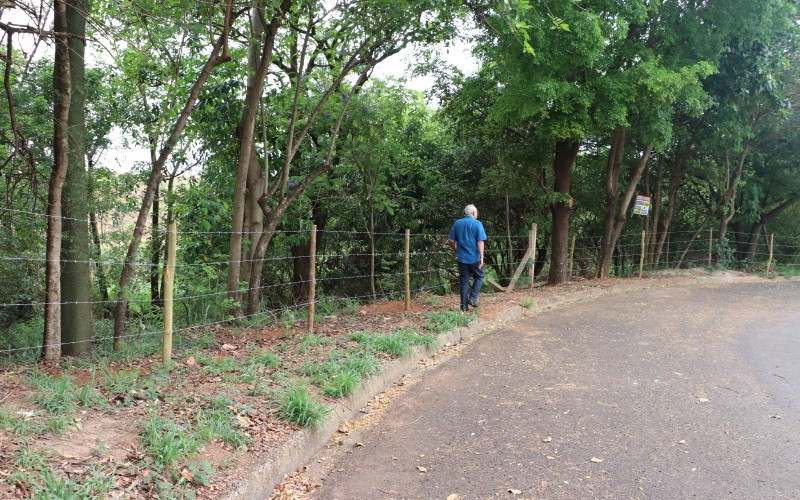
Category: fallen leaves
[515,492]
[597,460]
[422,469]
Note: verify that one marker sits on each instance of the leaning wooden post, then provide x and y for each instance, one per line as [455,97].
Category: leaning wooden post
[571,256]
[641,256]
[312,277]
[771,241]
[407,251]
[710,244]
[169,285]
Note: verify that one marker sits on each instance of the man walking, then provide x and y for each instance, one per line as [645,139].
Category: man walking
[466,238]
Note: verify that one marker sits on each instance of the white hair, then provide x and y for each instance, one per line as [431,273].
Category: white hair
[470,209]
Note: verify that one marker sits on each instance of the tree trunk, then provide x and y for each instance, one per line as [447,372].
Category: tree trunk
[301,257]
[155,253]
[622,214]
[674,183]
[76,277]
[758,227]
[510,250]
[566,153]
[301,266]
[215,59]
[730,194]
[169,220]
[253,216]
[372,248]
[255,85]
[51,345]
[656,204]
[613,167]
[102,283]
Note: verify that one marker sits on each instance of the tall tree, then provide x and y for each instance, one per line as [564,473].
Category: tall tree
[250,178]
[76,281]
[324,48]
[51,346]
[219,55]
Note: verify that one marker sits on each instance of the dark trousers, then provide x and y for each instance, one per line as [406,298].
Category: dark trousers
[465,271]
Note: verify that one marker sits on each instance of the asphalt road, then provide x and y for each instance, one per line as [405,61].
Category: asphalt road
[690,392]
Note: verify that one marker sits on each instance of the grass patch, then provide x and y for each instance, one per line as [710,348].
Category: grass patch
[59,424]
[298,406]
[219,422]
[787,271]
[27,458]
[98,483]
[264,357]
[397,344]
[446,321]
[168,443]
[527,302]
[433,301]
[340,375]
[120,382]
[218,366]
[332,307]
[310,340]
[54,394]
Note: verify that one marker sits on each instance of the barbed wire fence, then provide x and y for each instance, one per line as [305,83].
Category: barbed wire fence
[405,265]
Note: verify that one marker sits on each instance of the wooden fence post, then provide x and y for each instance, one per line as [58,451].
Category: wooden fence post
[571,256]
[710,244]
[407,268]
[312,278]
[532,244]
[771,241]
[641,256]
[169,285]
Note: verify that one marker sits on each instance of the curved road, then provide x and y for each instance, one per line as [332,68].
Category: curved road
[666,393]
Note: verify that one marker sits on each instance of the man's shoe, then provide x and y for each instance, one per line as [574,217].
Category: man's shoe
[464,308]
[473,303]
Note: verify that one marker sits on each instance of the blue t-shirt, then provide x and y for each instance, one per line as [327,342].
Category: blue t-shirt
[467,232]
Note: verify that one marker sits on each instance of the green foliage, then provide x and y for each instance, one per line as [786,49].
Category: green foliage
[397,344]
[309,341]
[168,443]
[527,302]
[300,407]
[27,458]
[340,375]
[54,394]
[219,422]
[263,357]
[120,382]
[26,334]
[446,321]
[218,366]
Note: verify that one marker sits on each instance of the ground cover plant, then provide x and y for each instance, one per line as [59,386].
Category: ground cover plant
[136,425]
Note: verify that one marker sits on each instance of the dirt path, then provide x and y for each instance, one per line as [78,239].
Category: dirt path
[662,393]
